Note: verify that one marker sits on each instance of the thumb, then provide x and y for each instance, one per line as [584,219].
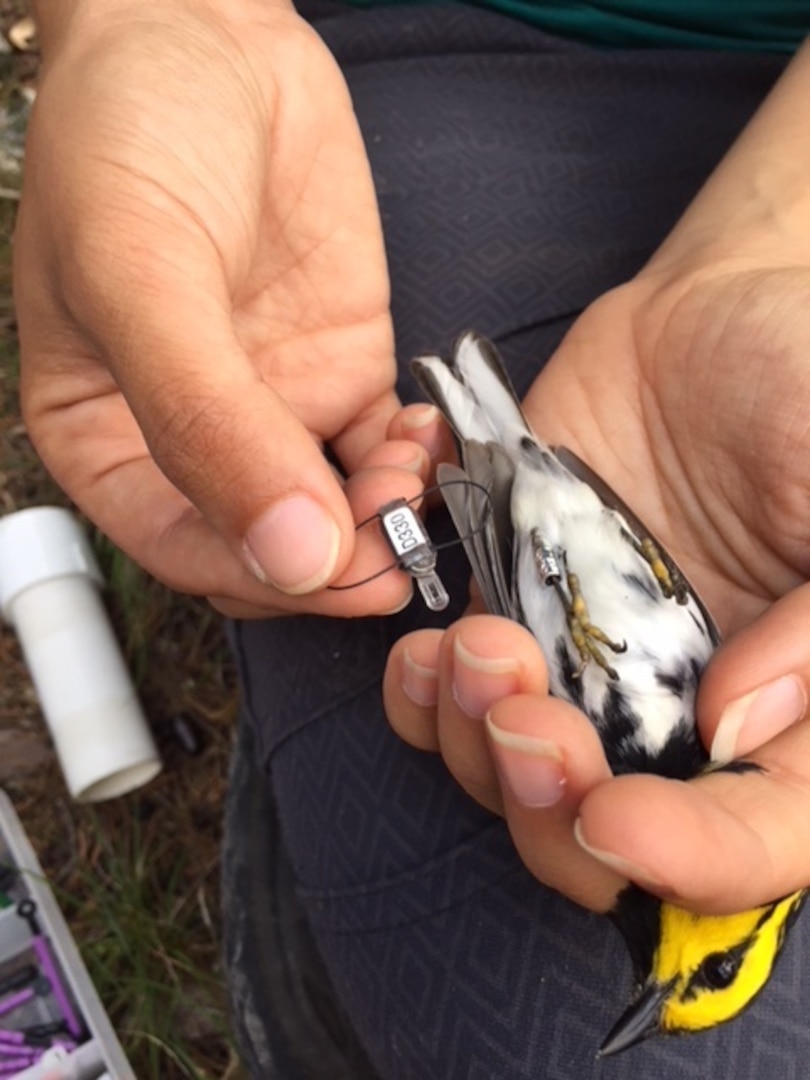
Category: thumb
[757,683]
[237,451]
[221,434]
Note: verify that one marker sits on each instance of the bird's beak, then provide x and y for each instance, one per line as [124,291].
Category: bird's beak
[638,1021]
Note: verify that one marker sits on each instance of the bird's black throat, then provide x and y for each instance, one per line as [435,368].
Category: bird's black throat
[637,916]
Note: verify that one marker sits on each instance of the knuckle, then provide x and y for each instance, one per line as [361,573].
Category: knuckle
[194,439]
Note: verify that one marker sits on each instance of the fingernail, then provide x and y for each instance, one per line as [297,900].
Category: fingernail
[401,604]
[480,681]
[293,546]
[419,416]
[415,420]
[420,683]
[755,718]
[532,768]
[417,462]
[617,862]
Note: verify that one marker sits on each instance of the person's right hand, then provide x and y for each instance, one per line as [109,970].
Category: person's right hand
[203,301]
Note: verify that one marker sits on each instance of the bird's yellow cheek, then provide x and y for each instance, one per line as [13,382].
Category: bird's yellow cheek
[689,943]
[700,1009]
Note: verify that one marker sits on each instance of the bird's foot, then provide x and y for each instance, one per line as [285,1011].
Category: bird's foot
[586,637]
[669,579]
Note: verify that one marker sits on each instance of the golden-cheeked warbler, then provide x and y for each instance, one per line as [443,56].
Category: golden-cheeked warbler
[552,547]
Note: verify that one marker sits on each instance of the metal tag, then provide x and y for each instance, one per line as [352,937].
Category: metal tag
[414,551]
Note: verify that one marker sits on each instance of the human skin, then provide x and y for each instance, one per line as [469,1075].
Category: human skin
[203,306]
[203,301]
[688,390]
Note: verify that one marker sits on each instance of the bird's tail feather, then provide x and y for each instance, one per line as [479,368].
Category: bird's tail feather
[473,391]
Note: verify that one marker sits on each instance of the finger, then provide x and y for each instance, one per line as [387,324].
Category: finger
[411,688]
[274,498]
[96,452]
[482,659]
[398,454]
[722,843]
[218,431]
[548,757]
[115,481]
[423,423]
[366,431]
[366,492]
[757,683]
[371,581]
[411,683]
[137,507]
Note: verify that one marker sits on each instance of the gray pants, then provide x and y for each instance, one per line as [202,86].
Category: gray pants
[519,177]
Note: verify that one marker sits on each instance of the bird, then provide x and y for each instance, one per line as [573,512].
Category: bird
[626,639]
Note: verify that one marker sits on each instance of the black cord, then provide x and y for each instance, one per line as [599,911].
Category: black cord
[436,547]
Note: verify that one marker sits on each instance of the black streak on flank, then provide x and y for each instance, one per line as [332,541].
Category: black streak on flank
[547,461]
[681,756]
[685,676]
[618,726]
[530,447]
[671,680]
[650,589]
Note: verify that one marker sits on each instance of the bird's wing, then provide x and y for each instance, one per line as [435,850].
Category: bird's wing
[614,502]
[478,500]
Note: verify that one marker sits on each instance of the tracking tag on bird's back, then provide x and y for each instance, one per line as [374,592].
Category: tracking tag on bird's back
[414,551]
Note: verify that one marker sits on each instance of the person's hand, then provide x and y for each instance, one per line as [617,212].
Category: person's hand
[690,395]
[203,301]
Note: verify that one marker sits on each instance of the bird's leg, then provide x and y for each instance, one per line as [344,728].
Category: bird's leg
[551,568]
[584,634]
[669,579]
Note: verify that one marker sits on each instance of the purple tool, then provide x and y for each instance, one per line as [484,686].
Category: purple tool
[11,1038]
[27,909]
[22,977]
[14,1068]
[14,1001]
[16,1052]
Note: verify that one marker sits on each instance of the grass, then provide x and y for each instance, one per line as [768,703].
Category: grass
[149,902]
[137,878]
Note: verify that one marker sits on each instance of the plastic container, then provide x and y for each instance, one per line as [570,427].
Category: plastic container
[63,993]
[49,592]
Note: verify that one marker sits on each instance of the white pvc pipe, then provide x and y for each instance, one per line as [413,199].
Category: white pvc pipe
[49,591]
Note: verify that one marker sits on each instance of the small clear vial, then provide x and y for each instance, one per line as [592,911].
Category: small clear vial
[414,551]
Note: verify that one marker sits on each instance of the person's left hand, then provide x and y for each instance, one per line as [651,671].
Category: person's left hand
[690,397]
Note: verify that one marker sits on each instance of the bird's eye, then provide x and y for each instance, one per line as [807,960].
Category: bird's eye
[719,970]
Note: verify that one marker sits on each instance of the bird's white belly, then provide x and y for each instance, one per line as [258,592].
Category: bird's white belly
[664,639]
